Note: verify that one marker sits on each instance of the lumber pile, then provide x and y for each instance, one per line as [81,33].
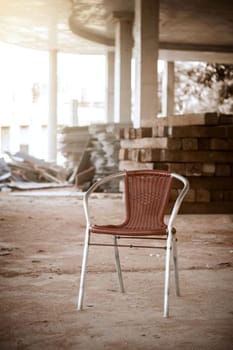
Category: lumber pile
[105,145]
[73,144]
[91,153]
[203,153]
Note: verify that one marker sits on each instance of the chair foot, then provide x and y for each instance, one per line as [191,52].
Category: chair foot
[83,272]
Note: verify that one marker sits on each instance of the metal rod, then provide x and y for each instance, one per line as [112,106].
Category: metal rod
[126,245]
[140,237]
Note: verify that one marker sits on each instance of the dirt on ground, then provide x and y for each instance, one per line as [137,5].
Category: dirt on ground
[41,242]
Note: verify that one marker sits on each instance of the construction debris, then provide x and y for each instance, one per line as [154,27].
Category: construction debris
[23,171]
[91,153]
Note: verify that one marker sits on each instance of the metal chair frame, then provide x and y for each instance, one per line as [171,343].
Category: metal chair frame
[170,241]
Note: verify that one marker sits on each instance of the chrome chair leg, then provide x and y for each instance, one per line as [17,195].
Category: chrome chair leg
[175,260]
[83,271]
[167,278]
[118,265]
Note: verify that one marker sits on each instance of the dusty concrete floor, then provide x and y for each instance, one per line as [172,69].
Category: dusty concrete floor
[40,258]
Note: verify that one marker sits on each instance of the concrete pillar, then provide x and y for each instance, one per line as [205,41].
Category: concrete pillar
[123,55]
[109,100]
[146,57]
[74,112]
[52,119]
[168,86]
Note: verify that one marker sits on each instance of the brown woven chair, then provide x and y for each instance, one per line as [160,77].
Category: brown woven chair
[146,197]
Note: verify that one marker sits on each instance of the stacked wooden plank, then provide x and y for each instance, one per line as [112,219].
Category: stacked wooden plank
[92,152]
[105,145]
[202,153]
[74,142]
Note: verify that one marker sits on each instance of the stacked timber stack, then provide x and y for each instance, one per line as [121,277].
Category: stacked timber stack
[74,143]
[203,153]
[105,145]
[91,153]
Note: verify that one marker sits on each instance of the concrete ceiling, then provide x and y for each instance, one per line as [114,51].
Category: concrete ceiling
[188,29]
[41,24]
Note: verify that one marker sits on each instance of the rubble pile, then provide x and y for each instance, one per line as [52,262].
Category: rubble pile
[23,171]
[91,153]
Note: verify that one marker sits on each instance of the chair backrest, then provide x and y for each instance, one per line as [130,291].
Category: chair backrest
[146,194]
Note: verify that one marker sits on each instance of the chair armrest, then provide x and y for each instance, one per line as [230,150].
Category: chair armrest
[179,199]
[94,187]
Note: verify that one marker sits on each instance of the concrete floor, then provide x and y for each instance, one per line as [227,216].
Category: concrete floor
[40,258]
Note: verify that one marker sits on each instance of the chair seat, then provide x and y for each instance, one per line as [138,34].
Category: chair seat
[124,230]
